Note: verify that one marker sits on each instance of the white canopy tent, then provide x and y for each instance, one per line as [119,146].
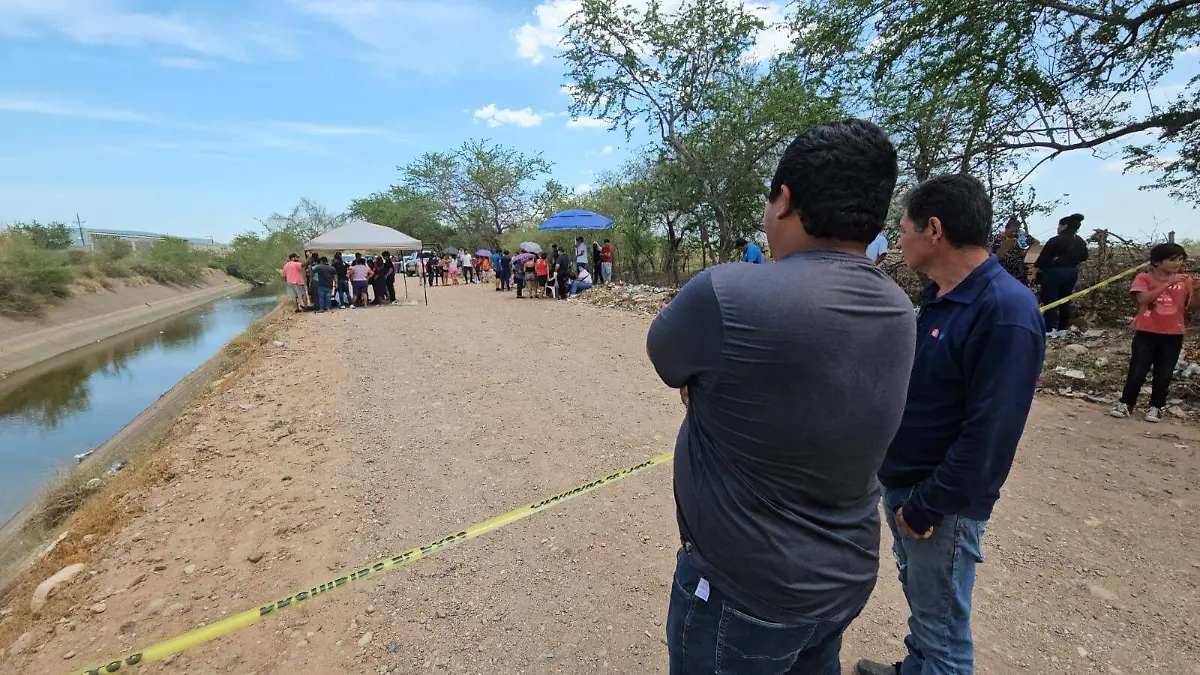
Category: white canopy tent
[363,236]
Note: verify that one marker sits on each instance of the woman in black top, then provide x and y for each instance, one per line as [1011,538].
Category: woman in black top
[598,276]
[1058,271]
[387,270]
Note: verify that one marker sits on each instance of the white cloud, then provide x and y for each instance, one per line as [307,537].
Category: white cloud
[113,23]
[535,40]
[588,123]
[607,150]
[544,36]
[776,38]
[525,117]
[434,39]
[183,63]
[583,188]
[62,109]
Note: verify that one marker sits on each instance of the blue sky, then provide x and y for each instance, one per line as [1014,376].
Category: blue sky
[197,119]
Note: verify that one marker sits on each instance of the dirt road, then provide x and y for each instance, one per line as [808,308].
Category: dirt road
[376,430]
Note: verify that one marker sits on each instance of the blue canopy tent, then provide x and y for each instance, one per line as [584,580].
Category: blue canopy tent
[576,219]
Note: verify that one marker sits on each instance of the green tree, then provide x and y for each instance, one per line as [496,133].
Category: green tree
[46,236]
[689,74]
[483,189]
[306,220]
[1044,77]
[402,209]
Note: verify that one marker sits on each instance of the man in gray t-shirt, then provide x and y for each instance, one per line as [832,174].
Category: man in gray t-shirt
[795,376]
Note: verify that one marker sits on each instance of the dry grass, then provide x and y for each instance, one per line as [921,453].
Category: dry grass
[99,515]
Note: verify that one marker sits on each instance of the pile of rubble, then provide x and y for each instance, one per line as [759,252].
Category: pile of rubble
[1092,366]
[641,298]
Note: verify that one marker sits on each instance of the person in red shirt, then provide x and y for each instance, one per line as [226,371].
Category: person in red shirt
[293,274]
[1162,295]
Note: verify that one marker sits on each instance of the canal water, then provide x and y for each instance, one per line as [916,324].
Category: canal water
[76,402]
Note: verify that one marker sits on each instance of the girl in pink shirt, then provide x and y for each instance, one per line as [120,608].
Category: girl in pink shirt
[1162,295]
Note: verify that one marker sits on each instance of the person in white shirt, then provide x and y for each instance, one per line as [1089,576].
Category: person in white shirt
[581,255]
[467,270]
[582,283]
[878,249]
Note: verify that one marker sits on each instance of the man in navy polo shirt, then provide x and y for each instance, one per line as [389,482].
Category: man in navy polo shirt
[980,346]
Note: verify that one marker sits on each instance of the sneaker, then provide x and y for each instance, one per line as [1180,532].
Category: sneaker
[1154,415]
[1120,411]
[866,667]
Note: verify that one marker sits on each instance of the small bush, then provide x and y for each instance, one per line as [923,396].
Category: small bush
[171,261]
[112,249]
[31,278]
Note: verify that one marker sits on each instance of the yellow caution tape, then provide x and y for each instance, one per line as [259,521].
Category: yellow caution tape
[162,650]
[1089,289]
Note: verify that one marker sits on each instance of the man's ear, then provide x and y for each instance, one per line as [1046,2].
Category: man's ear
[935,228]
[782,205]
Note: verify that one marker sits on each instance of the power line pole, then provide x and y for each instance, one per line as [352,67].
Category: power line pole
[79,223]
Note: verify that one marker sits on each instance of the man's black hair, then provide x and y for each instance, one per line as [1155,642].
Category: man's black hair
[578,238]
[841,176]
[960,202]
[324,260]
[506,252]
[740,242]
[606,241]
[1167,251]
[292,256]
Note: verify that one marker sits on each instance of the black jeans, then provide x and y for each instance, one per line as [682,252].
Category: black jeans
[390,285]
[1151,352]
[467,273]
[520,284]
[1056,284]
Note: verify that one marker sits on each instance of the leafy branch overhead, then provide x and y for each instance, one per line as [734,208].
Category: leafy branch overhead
[1030,78]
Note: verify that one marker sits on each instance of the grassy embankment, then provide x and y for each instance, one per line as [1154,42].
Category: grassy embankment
[34,277]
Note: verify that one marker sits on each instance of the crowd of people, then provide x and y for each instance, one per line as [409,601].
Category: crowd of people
[319,284]
[532,274]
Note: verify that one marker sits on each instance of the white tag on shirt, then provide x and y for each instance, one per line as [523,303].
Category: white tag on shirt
[702,589]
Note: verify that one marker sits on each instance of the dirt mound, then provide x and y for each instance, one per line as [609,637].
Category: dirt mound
[641,298]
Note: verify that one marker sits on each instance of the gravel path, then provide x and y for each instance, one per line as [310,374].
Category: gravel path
[376,430]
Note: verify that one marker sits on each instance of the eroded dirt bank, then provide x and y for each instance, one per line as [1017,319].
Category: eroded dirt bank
[375,430]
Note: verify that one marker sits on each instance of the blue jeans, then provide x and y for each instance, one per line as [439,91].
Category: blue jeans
[343,292]
[938,576]
[719,635]
[324,298]
[577,286]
